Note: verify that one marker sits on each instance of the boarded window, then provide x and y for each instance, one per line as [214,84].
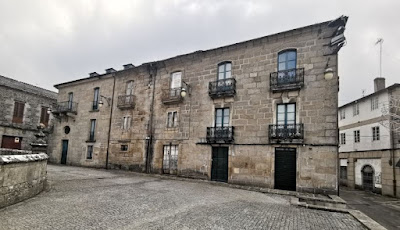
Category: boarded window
[44,116]
[18,115]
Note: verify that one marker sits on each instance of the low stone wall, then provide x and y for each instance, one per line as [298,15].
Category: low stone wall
[4,151]
[21,177]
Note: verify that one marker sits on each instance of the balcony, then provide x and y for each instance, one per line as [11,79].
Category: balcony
[220,134]
[65,107]
[126,102]
[293,133]
[171,96]
[222,88]
[287,80]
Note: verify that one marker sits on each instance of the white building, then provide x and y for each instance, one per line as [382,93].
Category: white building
[369,150]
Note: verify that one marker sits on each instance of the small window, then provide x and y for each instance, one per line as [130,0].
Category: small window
[356,109]
[343,138]
[96,99]
[67,129]
[124,147]
[18,115]
[126,123]
[342,114]
[375,133]
[287,60]
[44,116]
[172,119]
[356,136]
[374,103]
[92,129]
[89,154]
[224,70]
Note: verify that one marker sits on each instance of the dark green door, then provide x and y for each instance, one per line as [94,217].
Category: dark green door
[285,168]
[64,152]
[219,168]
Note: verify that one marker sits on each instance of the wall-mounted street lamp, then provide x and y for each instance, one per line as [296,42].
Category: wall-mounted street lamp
[48,110]
[185,90]
[108,99]
[328,74]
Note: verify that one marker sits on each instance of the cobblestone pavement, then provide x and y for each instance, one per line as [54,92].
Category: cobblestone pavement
[82,198]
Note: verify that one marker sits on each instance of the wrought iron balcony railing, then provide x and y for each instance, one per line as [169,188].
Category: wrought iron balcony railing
[171,96]
[292,79]
[220,134]
[288,132]
[126,102]
[65,107]
[222,88]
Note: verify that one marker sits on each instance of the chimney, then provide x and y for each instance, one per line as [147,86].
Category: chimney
[110,70]
[128,66]
[94,74]
[379,84]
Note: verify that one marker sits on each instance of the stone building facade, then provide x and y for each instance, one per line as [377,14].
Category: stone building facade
[22,108]
[369,146]
[261,112]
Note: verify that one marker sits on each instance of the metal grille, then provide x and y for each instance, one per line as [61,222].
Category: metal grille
[221,88]
[287,79]
[285,132]
[220,134]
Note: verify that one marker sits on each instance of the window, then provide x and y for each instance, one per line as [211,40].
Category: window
[286,114]
[124,147]
[96,99]
[18,115]
[126,123]
[222,117]
[342,114]
[224,71]
[356,110]
[176,80]
[172,119]
[374,103]
[375,133]
[287,60]
[129,88]
[70,100]
[343,138]
[89,154]
[343,172]
[92,129]
[356,136]
[44,116]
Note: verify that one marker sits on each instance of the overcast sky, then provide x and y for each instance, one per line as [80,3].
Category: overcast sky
[48,42]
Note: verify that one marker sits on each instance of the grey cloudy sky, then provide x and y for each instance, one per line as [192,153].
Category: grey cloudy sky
[49,41]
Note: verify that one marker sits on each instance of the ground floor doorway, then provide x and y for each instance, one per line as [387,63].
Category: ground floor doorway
[170,159]
[285,169]
[64,152]
[219,167]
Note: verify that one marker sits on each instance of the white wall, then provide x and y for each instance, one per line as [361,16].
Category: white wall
[376,165]
[365,110]
[366,142]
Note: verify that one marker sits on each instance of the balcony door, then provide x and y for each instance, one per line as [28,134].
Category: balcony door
[70,100]
[287,61]
[222,117]
[176,84]
[286,115]
[224,74]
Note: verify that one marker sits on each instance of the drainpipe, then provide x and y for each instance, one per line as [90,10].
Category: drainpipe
[149,150]
[392,152]
[109,125]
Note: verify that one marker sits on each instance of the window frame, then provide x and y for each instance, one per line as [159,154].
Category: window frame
[223,117]
[286,51]
[70,99]
[19,112]
[89,152]
[356,109]
[96,97]
[376,133]
[342,138]
[129,88]
[174,119]
[374,103]
[126,122]
[124,148]
[172,80]
[225,63]
[357,136]
[285,113]
[44,116]
[92,130]
[342,114]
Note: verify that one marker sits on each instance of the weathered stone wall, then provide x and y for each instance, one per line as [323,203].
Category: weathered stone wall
[4,151]
[21,177]
[387,175]
[32,110]
[253,108]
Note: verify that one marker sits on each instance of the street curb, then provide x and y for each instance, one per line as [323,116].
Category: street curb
[366,220]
